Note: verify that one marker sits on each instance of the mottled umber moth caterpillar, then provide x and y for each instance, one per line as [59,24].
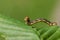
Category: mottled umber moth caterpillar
[29,22]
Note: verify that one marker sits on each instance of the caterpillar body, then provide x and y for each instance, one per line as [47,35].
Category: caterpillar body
[29,22]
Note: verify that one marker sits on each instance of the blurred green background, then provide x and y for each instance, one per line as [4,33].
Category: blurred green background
[33,8]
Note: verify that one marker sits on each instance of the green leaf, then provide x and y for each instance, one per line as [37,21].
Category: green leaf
[12,29]
[50,33]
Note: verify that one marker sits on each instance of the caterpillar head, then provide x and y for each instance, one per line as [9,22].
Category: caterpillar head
[27,20]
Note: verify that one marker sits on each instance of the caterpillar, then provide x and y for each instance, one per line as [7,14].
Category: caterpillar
[29,22]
